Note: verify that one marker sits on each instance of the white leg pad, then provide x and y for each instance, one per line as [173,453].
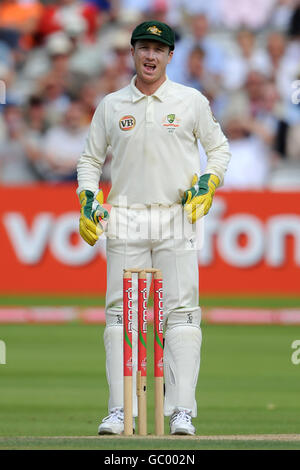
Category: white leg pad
[181,367]
[113,342]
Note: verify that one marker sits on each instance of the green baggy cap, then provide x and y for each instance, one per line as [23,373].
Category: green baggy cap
[154,31]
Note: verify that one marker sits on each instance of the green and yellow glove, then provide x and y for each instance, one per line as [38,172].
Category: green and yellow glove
[92,212]
[198,199]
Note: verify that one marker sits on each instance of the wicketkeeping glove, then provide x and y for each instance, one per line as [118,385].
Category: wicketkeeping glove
[92,212]
[198,199]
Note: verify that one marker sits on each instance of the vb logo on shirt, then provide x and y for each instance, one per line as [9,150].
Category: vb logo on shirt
[127,123]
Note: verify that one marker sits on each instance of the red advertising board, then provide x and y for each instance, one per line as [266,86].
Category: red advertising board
[251,243]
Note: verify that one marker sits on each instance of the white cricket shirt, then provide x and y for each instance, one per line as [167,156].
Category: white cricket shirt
[154,144]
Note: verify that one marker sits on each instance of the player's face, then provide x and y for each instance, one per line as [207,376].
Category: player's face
[151,59]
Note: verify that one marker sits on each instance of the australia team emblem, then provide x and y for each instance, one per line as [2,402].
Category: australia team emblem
[171,123]
[154,30]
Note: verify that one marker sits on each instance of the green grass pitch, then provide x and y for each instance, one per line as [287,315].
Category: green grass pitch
[205,301]
[54,385]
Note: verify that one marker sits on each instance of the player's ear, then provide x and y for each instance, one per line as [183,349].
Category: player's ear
[132,50]
[170,56]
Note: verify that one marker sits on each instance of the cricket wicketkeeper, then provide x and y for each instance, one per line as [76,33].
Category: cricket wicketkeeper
[157,194]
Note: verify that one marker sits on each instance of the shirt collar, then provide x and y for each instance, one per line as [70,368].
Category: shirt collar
[160,93]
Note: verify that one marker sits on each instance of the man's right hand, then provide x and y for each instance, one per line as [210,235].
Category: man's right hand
[92,212]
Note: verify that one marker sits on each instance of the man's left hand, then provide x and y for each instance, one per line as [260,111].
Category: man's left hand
[198,199]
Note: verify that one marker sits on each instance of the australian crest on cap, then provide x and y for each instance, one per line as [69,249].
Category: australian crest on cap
[154,30]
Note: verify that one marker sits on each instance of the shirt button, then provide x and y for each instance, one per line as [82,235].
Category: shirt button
[149,109]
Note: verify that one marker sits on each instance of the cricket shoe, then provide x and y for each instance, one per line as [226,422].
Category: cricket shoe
[113,423]
[181,423]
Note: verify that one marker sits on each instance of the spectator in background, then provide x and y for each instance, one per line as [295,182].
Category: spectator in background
[121,58]
[181,8]
[87,58]
[254,92]
[88,97]
[56,98]
[251,124]
[198,36]
[293,47]
[158,11]
[244,55]
[127,17]
[281,14]
[293,144]
[175,11]
[199,77]
[6,56]
[280,66]
[7,71]
[15,167]
[57,16]
[7,75]
[195,75]
[119,69]
[61,50]
[107,81]
[59,82]
[126,20]
[36,118]
[3,129]
[276,44]
[53,58]
[257,100]
[33,130]
[56,156]
[250,158]
[137,5]
[18,21]
[294,29]
[104,5]
[270,113]
[251,14]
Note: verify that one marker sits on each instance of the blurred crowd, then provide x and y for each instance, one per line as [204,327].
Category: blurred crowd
[59,58]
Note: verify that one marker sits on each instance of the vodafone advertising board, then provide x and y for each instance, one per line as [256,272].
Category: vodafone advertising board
[251,243]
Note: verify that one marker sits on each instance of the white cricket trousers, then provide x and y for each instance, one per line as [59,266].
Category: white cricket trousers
[145,238]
